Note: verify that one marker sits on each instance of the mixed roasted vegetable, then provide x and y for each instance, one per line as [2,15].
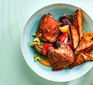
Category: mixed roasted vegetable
[62,44]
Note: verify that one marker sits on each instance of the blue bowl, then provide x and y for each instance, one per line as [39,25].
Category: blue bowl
[31,27]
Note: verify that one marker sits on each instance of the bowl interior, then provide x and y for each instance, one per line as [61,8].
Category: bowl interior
[31,27]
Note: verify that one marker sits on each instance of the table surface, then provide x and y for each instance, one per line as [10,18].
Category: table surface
[13,16]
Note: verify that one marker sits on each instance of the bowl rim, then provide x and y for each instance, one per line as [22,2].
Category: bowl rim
[27,59]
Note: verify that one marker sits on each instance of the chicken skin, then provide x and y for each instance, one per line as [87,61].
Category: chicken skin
[61,57]
[48,29]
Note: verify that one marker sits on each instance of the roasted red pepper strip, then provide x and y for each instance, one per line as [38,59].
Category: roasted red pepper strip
[63,38]
[45,48]
[70,45]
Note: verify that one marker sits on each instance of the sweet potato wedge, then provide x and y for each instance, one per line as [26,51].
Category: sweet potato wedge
[87,37]
[74,35]
[86,43]
[82,58]
[77,22]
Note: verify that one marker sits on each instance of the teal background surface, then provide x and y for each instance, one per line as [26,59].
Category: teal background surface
[13,16]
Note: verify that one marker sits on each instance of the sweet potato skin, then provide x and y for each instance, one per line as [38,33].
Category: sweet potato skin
[74,35]
[82,58]
[86,43]
[77,22]
[84,49]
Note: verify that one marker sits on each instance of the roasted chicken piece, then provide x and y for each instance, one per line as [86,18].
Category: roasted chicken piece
[48,28]
[74,35]
[81,58]
[61,57]
[77,22]
[86,43]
